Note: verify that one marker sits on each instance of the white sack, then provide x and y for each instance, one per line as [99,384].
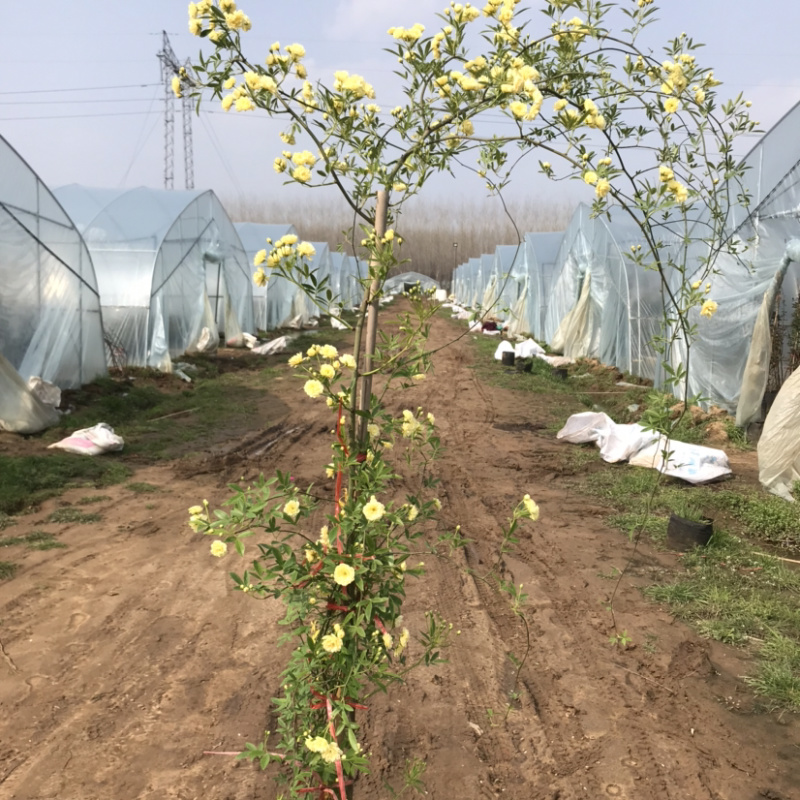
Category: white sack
[692,463]
[274,346]
[528,349]
[92,441]
[587,426]
[621,442]
[503,347]
[779,445]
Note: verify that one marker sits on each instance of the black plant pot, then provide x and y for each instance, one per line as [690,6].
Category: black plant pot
[507,358]
[684,534]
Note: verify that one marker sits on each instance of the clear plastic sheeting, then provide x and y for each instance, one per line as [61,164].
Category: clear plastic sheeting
[21,411]
[50,319]
[169,266]
[725,370]
[602,305]
[407,280]
[779,444]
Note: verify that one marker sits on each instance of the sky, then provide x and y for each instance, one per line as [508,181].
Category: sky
[82,102]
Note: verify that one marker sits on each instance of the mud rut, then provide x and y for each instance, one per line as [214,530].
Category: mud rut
[127,655]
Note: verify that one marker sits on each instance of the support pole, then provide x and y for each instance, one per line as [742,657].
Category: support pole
[381,210]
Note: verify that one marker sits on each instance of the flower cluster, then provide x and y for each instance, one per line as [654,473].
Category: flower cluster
[287,249]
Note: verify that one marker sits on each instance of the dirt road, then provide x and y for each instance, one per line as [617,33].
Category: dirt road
[127,654]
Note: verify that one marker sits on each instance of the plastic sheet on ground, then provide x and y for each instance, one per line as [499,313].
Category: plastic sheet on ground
[92,441]
[274,346]
[528,349]
[779,445]
[642,448]
[21,411]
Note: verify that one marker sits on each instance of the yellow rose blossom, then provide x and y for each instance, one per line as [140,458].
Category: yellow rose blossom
[329,472]
[699,96]
[665,173]
[195,26]
[388,642]
[306,249]
[176,86]
[708,309]
[531,507]
[317,744]
[323,536]
[373,430]
[328,351]
[332,752]
[296,360]
[431,419]
[413,512]
[292,509]
[373,510]
[327,371]
[279,165]
[295,51]
[697,284]
[244,104]
[420,376]
[260,277]
[218,549]
[302,174]
[238,20]
[602,188]
[313,388]
[344,574]
[518,109]
[348,361]
[590,177]
[259,258]
[437,504]
[331,643]
[227,102]
[671,105]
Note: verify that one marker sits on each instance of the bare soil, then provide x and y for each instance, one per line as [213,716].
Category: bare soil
[126,655]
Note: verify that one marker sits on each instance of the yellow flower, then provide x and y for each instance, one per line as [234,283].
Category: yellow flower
[602,189]
[195,26]
[373,430]
[431,419]
[671,105]
[403,641]
[238,20]
[296,51]
[316,745]
[260,257]
[348,361]
[518,109]
[244,104]
[699,96]
[296,360]
[329,471]
[697,284]
[327,371]
[560,104]
[708,309]
[176,86]
[331,643]
[332,752]
[279,165]
[665,174]
[323,536]
[229,83]
[313,388]
[292,509]
[413,512]
[227,102]
[260,277]
[306,249]
[328,351]
[531,507]
[218,549]
[420,376]
[310,555]
[302,174]
[194,510]
[388,642]
[373,510]
[344,574]
[304,158]
[590,177]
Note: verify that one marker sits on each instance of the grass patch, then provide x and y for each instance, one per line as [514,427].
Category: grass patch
[70,514]
[7,570]
[92,499]
[26,481]
[142,487]
[36,540]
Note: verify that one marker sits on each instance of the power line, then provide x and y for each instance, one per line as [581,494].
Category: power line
[83,89]
[80,116]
